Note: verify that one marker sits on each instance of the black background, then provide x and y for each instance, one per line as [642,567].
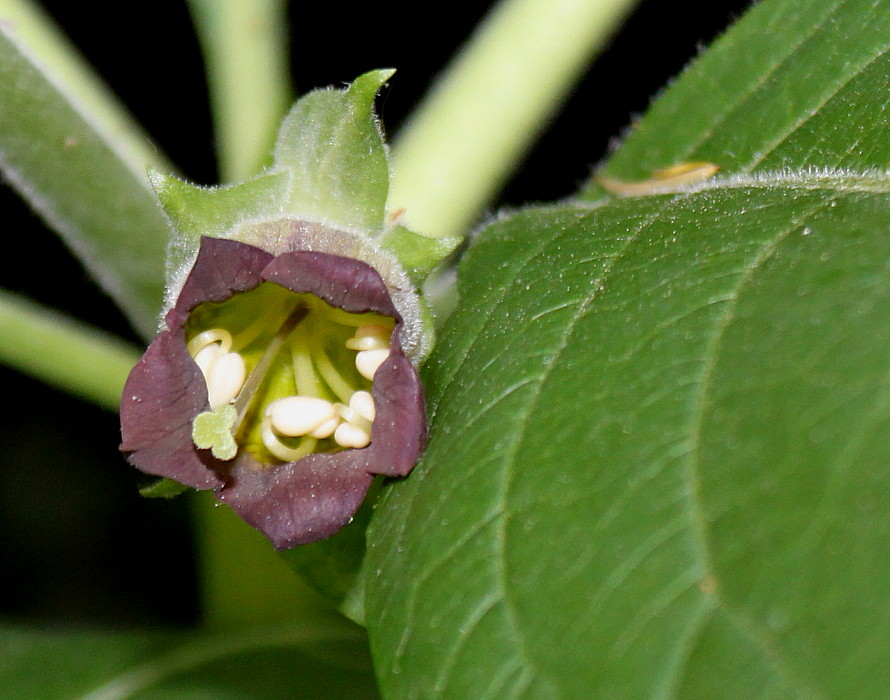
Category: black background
[77,545]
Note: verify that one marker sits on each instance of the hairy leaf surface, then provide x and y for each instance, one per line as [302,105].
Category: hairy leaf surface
[658,464]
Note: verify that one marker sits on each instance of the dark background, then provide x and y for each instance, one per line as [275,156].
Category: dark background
[77,545]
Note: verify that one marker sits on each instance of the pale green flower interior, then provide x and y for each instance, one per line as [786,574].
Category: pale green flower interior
[313,359]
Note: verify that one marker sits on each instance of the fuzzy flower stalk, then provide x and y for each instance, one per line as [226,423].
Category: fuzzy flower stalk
[284,376]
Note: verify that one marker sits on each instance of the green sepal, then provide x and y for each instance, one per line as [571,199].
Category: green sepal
[162,488]
[196,211]
[418,254]
[332,145]
[330,179]
[212,430]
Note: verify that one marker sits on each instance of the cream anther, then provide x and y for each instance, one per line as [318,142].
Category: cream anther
[206,357]
[363,403]
[367,362]
[223,371]
[325,430]
[224,378]
[369,338]
[348,435]
[299,415]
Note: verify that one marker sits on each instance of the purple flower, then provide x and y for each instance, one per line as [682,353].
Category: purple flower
[280,382]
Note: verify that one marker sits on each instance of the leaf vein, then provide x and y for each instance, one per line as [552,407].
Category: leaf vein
[693,466]
[473,620]
[510,458]
[803,119]
[748,93]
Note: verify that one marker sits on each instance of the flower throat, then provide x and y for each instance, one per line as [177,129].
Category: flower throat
[287,374]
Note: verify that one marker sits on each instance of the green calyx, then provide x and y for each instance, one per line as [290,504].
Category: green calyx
[287,374]
[330,179]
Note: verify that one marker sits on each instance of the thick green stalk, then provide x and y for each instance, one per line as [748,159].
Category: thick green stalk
[244,582]
[481,117]
[246,53]
[63,352]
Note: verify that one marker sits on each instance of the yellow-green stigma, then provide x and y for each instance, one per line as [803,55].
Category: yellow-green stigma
[287,374]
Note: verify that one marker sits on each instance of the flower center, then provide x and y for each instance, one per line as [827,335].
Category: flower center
[287,374]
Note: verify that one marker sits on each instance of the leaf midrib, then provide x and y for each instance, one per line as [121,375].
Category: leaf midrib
[699,527]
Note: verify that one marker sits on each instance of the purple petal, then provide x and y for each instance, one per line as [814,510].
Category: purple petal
[163,394]
[299,502]
[223,268]
[400,426]
[292,503]
[313,498]
[349,284]
[166,390]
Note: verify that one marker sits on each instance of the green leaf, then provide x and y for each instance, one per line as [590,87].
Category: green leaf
[657,466]
[792,85]
[306,661]
[331,143]
[59,60]
[83,179]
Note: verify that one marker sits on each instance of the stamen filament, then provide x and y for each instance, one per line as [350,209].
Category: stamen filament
[258,374]
[214,335]
[353,417]
[341,317]
[305,378]
[253,330]
[282,451]
[341,388]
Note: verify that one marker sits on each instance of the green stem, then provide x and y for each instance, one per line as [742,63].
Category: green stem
[244,582]
[245,49]
[70,73]
[481,117]
[63,352]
